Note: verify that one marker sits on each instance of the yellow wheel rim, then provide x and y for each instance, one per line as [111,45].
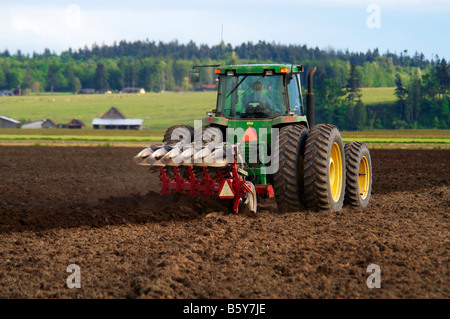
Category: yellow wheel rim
[364,177]
[336,170]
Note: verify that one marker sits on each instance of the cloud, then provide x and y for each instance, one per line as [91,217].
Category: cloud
[73,12]
[58,27]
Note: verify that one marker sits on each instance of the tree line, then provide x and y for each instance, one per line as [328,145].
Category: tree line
[422,86]
[424,102]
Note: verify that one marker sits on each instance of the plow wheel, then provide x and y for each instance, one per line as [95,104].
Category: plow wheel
[251,201]
[183,133]
[359,174]
[324,169]
[288,180]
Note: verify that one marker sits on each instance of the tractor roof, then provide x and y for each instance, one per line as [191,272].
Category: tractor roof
[259,68]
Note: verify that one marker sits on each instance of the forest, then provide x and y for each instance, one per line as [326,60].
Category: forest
[421,85]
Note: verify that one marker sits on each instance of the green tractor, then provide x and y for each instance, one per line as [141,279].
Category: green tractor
[261,141]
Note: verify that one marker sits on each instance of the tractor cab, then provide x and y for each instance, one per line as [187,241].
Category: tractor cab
[259,91]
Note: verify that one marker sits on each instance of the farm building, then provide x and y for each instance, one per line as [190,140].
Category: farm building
[121,124]
[6,93]
[45,123]
[206,87]
[88,91]
[75,123]
[114,119]
[133,90]
[6,122]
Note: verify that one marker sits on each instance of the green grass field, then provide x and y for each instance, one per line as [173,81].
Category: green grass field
[378,95]
[158,110]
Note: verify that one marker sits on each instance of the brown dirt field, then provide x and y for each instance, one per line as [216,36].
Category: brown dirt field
[92,206]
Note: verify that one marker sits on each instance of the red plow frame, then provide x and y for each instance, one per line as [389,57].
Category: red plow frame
[226,187]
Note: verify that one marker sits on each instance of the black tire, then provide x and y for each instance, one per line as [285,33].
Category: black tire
[181,131]
[288,180]
[358,186]
[324,169]
[208,134]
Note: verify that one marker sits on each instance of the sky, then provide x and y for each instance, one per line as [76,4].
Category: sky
[357,25]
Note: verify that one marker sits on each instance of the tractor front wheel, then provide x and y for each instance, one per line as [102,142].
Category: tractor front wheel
[324,169]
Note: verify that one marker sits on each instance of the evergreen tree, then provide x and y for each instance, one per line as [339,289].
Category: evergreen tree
[353,99]
[52,77]
[400,93]
[115,77]
[101,78]
[414,97]
[74,84]
[359,116]
[3,83]
[353,85]
[28,80]
[443,79]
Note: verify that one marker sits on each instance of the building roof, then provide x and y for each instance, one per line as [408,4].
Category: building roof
[76,122]
[117,122]
[38,124]
[9,119]
[114,113]
[35,124]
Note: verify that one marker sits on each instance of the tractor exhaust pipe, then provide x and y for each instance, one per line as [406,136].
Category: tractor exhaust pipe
[310,99]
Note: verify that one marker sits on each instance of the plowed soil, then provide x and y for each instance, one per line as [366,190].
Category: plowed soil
[92,206]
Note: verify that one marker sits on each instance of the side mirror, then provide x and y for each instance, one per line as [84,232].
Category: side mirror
[195,75]
[289,78]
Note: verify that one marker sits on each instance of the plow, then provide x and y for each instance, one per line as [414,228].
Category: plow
[212,170]
[261,140]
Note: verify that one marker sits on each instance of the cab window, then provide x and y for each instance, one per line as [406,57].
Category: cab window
[294,96]
[251,96]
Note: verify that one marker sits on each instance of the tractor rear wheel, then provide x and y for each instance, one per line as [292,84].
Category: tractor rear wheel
[178,133]
[288,180]
[359,175]
[324,169]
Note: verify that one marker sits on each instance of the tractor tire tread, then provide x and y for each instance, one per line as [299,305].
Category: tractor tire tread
[353,153]
[286,182]
[316,168]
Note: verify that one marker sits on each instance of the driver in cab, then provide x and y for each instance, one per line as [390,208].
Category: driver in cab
[255,99]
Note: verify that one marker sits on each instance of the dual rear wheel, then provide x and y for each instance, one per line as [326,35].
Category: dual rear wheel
[317,172]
